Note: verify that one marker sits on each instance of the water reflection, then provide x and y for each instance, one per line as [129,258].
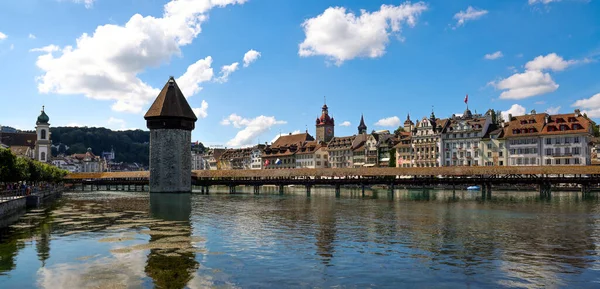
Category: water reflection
[414,237]
[173,266]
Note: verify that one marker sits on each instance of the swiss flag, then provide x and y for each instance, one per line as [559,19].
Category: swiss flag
[467,98]
[267,162]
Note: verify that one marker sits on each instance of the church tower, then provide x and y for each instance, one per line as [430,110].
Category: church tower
[362,127]
[325,126]
[42,145]
[171,121]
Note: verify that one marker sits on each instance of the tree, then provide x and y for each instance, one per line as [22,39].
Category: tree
[497,117]
[399,130]
[392,162]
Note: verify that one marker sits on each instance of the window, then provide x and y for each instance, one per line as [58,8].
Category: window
[576,139]
[548,161]
[489,146]
[576,151]
[501,163]
[43,134]
[576,161]
[557,161]
[43,155]
[557,141]
[548,141]
[567,161]
[548,152]
[489,154]
[500,154]
[501,145]
[476,154]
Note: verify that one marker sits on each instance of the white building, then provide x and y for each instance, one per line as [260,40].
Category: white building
[426,141]
[461,139]
[43,143]
[311,155]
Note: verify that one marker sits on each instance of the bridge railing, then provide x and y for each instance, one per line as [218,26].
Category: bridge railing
[7,195]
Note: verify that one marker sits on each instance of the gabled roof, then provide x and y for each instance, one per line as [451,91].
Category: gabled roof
[171,103]
[525,125]
[571,122]
[287,145]
[18,139]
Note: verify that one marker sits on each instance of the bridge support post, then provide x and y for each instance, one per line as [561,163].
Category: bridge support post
[489,190]
[391,189]
[308,187]
[281,189]
[545,190]
[585,190]
[337,191]
[256,190]
[362,187]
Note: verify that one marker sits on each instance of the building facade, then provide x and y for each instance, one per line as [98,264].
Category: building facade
[312,155]
[461,138]
[493,147]
[426,142]
[566,139]
[282,153]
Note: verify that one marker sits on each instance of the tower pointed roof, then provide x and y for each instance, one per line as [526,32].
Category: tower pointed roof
[362,127]
[170,104]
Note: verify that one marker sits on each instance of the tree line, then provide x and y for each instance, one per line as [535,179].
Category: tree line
[130,146]
[15,169]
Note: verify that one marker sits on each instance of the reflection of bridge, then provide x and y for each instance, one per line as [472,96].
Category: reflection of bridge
[585,177]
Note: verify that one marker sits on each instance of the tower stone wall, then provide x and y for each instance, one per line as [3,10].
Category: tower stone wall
[170,160]
[171,121]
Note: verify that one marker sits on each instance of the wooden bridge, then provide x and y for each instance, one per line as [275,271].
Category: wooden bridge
[543,177]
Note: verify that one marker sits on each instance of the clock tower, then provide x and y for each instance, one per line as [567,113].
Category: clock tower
[325,126]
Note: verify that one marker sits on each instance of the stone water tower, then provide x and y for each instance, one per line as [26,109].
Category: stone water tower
[171,121]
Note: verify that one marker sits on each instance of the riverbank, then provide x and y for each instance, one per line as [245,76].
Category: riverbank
[14,203]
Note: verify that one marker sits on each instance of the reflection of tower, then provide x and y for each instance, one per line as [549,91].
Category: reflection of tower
[42,144]
[326,231]
[171,121]
[171,268]
[325,125]
[42,245]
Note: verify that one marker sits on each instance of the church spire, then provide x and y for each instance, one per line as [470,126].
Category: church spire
[362,128]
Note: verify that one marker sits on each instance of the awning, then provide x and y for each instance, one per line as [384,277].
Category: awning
[369,165]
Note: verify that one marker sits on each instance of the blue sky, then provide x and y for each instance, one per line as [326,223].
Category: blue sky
[101,62]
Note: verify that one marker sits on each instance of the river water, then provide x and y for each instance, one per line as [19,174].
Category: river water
[411,239]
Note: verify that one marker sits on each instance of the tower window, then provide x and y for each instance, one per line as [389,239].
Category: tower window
[43,156]
[43,134]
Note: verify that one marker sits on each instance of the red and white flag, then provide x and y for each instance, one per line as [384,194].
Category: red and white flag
[267,162]
[467,98]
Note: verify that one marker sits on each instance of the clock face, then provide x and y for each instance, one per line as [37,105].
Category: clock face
[329,130]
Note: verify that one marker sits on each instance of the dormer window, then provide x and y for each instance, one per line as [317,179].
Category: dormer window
[563,127]
[532,121]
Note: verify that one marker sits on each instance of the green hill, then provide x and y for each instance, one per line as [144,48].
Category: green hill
[130,145]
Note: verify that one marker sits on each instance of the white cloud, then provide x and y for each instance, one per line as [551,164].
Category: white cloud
[534,81]
[3,36]
[202,111]
[526,84]
[553,110]
[31,36]
[105,65]
[280,134]
[48,49]
[549,62]
[515,110]
[345,123]
[226,70]
[533,2]
[88,3]
[251,56]
[494,55]
[342,36]
[199,72]
[251,128]
[590,106]
[393,121]
[470,14]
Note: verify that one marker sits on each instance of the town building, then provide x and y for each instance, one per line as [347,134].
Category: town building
[461,138]
[35,145]
[240,159]
[404,151]
[426,141]
[359,145]
[198,161]
[281,154]
[493,147]
[88,162]
[565,139]
[522,135]
[312,155]
[341,150]
[325,126]
[255,157]
[211,157]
